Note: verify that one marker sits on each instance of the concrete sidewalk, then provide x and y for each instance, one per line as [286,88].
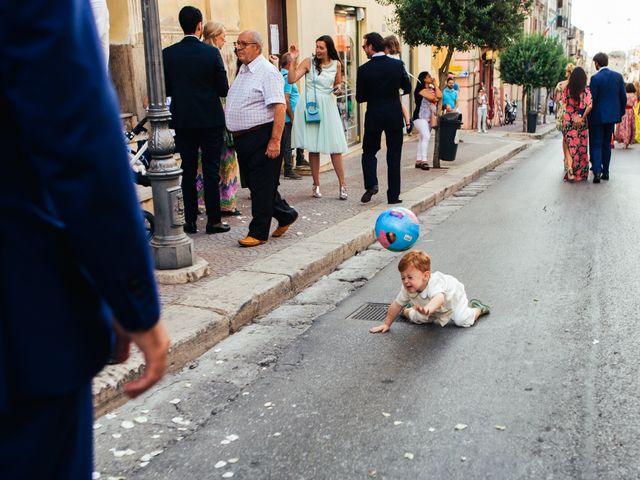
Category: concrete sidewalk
[245,283]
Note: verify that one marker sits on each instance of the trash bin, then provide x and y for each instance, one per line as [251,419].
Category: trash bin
[450,123]
[532,121]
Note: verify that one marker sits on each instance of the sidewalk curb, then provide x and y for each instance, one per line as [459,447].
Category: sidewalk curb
[213,309]
[544,131]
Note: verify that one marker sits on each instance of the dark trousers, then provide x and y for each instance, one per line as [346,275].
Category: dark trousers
[600,147]
[285,148]
[209,142]
[48,438]
[262,175]
[371,146]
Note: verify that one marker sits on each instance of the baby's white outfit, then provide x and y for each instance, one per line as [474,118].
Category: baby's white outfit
[455,306]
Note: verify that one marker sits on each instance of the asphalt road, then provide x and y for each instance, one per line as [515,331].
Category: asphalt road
[547,384]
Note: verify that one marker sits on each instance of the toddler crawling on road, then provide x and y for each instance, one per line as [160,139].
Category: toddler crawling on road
[428,297]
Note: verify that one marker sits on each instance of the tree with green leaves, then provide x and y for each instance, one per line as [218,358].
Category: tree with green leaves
[533,61]
[457,25]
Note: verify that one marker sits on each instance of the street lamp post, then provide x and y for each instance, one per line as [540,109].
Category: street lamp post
[172,248]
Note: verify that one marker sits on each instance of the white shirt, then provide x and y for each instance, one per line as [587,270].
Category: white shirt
[253,94]
[455,296]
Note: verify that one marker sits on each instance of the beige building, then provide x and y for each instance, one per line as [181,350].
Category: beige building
[281,22]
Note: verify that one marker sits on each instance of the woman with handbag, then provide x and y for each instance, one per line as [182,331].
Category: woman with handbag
[426,96]
[317,126]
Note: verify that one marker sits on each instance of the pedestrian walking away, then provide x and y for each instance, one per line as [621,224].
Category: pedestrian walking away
[195,79]
[378,82]
[575,134]
[430,297]
[392,49]
[215,35]
[74,254]
[426,96]
[255,114]
[609,103]
[323,132]
[626,129]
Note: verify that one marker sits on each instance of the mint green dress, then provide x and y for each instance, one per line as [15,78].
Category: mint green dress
[326,136]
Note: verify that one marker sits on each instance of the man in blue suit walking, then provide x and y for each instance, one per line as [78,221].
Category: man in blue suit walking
[73,251]
[609,101]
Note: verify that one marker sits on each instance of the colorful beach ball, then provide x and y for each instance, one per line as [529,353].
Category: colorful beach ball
[397,229]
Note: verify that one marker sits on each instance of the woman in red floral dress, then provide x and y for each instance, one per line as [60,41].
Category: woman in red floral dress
[575,133]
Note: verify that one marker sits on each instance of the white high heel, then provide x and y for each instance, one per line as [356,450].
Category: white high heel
[343,192]
[315,192]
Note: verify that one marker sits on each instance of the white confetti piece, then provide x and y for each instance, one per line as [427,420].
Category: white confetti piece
[385,414]
[116,435]
[179,439]
[217,350]
[155,453]
[182,429]
[268,404]
[144,464]
[96,426]
[95,475]
[501,427]
[187,385]
[220,464]
[277,434]
[145,411]
[460,426]
[463,459]
[141,419]
[219,362]
[180,421]
[146,457]
[408,456]
[397,422]
[111,416]
[299,234]
[431,429]
[122,453]
[225,442]
[234,460]
[127,424]
[233,437]
[294,405]
[245,393]
[175,401]
[227,475]
[595,342]
[155,436]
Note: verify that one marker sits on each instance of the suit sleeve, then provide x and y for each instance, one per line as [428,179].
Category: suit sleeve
[361,96]
[405,82]
[78,151]
[167,78]
[222,83]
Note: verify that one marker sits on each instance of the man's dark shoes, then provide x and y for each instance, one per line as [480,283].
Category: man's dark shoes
[604,176]
[292,175]
[366,196]
[190,227]
[230,213]
[393,202]
[217,228]
[596,178]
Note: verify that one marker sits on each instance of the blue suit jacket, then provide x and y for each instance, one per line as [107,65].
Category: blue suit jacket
[72,246]
[609,97]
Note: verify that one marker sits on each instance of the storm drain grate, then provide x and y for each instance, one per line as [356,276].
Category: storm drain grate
[374,312]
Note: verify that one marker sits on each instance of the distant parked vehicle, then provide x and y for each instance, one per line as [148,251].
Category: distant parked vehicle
[510,112]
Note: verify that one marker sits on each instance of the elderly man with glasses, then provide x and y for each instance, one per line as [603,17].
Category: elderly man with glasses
[255,114]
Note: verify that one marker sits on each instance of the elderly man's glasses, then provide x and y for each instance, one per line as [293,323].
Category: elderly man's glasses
[240,45]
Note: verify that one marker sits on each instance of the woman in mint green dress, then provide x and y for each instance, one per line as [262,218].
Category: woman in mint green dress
[327,135]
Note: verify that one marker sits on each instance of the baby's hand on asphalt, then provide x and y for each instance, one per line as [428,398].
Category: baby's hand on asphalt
[384,328]
[422,310]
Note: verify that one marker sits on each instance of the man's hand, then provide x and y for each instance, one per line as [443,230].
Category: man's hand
[273,148]
[154,345]
[384,328]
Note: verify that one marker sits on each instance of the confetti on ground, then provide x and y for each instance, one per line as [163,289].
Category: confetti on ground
[408,456]
[431,429]
[127,424]
[144,464]
[95,475]
[463,459]
[372,473]
[245,393]
[233,437]
[146,457]
[116,435]
[96,426]
[175,401]
[595,342]
[225,442]
[220,464]
[121,453]
[234,460]
[219,362]
[217,350]
[397,422]
[111,416]
[277,434]
[145,411]
[141,419]
[299,234]
[268,404]
[227,475]
[460,426]
[179,438]
[385,414]
[187,385]
[180,421]
[155,436]
[501,427]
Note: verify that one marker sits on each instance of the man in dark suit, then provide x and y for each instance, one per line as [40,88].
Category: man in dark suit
[609,101]
[73,249]
[379,83]
[196,79]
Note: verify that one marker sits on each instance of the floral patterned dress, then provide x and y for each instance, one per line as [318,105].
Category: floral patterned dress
[626,129]
[577,137]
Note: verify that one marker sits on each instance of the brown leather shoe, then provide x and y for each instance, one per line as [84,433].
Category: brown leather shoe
[251,242]
[282,229]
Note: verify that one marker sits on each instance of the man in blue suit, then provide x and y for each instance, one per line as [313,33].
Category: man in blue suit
[73,250]
[609,101]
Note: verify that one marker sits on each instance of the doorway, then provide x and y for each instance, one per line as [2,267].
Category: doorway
[348,46]
[277,26]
